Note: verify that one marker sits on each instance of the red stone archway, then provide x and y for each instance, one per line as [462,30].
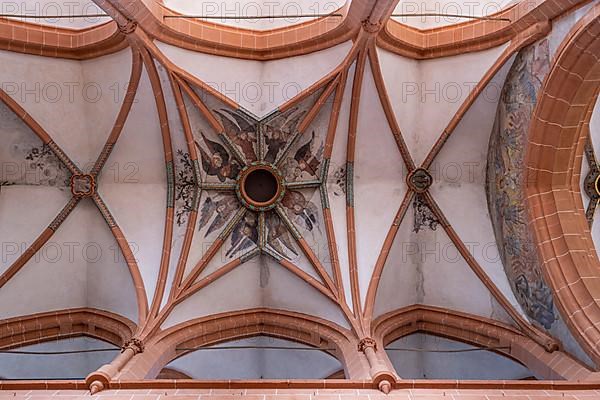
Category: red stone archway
[558,129]
[301,328]
[62,324]
[480,332]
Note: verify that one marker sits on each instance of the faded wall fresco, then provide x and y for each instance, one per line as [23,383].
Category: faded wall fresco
[506,182]
[25,159]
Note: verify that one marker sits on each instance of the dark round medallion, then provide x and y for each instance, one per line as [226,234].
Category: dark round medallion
[260,186]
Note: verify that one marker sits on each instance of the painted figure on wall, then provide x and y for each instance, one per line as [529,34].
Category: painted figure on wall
[279,237]
[506,183]
[244,235]
[217,210]
[279,131]
[216,161]
[240,130]
[186,187]
[308,158]
[305,161]
[303,211]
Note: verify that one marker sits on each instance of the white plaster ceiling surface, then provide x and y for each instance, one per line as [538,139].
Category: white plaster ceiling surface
[134,189]
[430,14]
[423,259]
[259,87]
[85,99]
[70,14]
[250,361]
[258,15]
[426,94]
[57,366]
[444,360]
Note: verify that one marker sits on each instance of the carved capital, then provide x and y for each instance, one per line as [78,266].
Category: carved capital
[371,27]
[366,343]
[127,28]
[134,344]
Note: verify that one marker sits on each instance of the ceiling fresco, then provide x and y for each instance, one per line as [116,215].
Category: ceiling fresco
[506,180]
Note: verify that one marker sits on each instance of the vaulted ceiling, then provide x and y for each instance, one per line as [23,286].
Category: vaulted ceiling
[400,148]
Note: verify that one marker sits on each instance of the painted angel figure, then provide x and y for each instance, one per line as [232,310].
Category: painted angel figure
[278,236]
[304,210]
[218,163]
[223,207]
[308,159]
[280,131]
[241,131]
[244,234]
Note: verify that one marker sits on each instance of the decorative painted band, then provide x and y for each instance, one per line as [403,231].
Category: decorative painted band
[350,184]
[170,184]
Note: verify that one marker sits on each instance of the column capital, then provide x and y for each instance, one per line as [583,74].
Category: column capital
[134,344]
[366,343]
[128,27]
[371,27]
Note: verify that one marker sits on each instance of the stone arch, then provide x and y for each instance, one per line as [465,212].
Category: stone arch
[63,324]
[559,127]
[301,328]
[481,332]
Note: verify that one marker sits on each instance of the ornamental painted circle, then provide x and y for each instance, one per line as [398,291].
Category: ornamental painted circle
[260,186]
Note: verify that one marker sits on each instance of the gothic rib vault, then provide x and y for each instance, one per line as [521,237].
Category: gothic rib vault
[341,185]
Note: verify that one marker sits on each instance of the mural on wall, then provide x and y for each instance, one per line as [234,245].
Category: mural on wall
[272,143]
[216,160]
[186,187]
[279,237]
[273,140]
[216,209]
[244,235]
[339,179]
[26,160]
[301,210]
[305,162]
[279,131]
[241,130]
[423,216]
[33,164]
[506,183]
[305,154]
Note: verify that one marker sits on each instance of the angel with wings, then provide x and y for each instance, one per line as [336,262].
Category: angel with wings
[308,158]
[218,163]
[224,208]
[244,234]
[240,130]
[278,236]
[304,211]
[279,131]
